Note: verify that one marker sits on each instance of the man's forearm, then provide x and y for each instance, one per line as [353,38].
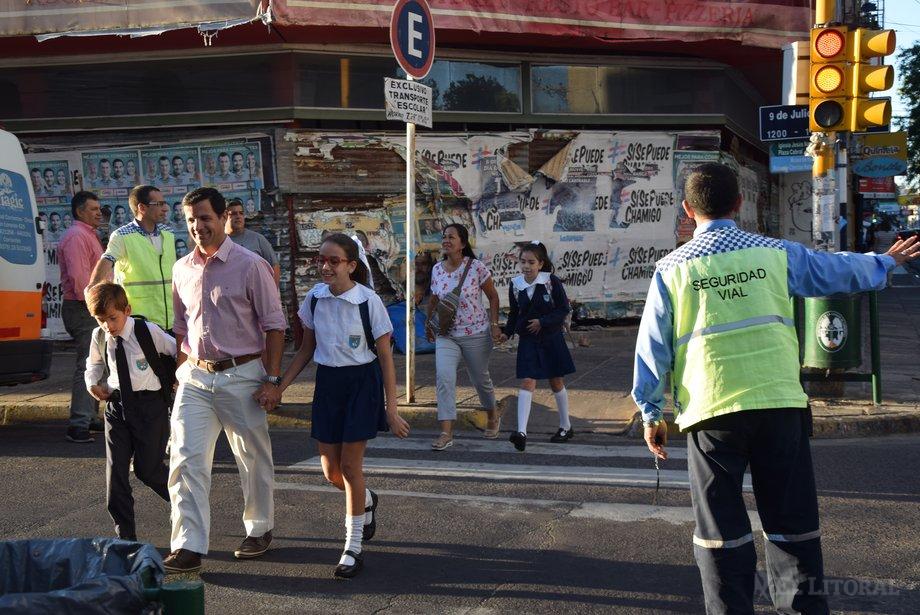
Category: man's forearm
[274,346]
[101,272]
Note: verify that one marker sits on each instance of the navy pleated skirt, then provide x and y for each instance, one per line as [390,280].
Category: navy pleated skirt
[543,357]
[348,403]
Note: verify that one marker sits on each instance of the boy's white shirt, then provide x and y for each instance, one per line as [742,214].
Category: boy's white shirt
[142,376]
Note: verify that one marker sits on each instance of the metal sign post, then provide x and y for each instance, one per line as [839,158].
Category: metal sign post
[412,41]
[410,261]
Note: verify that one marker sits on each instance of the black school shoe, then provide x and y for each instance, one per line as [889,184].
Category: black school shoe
[370,528]
[346,572]
[518,439]
[182,560]
[563,435]
[96,426]
[79,435]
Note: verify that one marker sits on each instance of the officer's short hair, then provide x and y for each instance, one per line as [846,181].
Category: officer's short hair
[712,190]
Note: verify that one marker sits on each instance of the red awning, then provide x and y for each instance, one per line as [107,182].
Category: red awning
[758,23]
[86,17]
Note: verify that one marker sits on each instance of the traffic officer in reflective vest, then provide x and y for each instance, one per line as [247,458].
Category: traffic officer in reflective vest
[719,318]
[141,254]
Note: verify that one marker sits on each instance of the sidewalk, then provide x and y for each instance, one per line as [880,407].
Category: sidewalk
[599,393]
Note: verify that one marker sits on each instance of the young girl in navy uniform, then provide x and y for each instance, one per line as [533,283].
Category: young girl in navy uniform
[538,309]
[347,332]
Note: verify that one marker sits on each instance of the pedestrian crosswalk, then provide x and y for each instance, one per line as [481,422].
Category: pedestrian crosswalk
[389,461]
[388,456]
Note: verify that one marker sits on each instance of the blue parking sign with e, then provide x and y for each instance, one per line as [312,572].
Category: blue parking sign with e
[412,37]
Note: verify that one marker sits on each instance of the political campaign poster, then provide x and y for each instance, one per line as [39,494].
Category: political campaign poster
[642,195]
[52,176]
[235,169]
[173,170]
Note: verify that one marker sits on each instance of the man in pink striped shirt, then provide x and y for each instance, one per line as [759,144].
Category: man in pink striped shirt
[78,251]
[227,313]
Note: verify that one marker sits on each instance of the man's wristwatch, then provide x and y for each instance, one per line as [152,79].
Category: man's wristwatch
[275,380]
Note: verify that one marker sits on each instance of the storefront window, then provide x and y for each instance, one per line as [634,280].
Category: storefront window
[357,83]
[563,89]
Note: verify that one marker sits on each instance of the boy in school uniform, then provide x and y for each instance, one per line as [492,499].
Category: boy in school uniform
[121,373]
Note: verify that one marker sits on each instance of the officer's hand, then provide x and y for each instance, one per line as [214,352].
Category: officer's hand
[656,437]
[905,250]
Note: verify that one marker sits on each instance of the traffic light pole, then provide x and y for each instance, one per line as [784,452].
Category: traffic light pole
[824,199]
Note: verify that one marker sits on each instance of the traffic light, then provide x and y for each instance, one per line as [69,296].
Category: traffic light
[865,78]
[828,86]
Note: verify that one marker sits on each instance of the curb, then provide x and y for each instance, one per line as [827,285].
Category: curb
[424,416]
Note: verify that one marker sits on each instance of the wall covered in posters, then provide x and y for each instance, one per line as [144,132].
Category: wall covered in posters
[233,165]
[606,204]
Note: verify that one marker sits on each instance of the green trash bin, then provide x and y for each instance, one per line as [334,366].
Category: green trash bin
[833,332]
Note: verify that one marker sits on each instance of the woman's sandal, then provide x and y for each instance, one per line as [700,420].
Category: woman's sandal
[444,441]
[489,432]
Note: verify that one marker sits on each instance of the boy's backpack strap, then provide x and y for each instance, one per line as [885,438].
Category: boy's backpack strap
[366,323]
[103,346]
[313,301]
[145,340]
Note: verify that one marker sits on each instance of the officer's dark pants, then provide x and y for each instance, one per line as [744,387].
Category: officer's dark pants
[775,445]
[137,428]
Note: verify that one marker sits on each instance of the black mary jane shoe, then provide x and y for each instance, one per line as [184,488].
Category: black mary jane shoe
[371,528]
[346,572]
[563,435]
[519,440]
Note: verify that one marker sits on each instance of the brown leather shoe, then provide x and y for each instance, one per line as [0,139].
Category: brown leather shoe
[254,546]
[182,560]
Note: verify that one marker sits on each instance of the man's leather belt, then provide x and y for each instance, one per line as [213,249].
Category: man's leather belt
[223,364]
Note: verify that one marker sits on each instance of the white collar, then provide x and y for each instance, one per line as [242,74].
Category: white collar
[356,294]
[125,332]
[521,284]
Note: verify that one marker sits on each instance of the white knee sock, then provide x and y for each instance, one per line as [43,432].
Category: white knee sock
[354,532]
[368,502]
[562,403]
[524,400]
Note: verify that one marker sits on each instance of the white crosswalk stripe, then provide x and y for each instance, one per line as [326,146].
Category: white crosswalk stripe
[533,448]
[434,467]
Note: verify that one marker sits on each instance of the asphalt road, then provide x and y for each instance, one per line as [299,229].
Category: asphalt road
[481,528]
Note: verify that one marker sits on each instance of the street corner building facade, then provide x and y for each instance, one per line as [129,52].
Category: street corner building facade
[574,124]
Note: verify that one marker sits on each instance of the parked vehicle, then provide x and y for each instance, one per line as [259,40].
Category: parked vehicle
[24,355]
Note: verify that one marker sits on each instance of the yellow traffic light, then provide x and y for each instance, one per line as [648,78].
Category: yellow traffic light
[829,80]
[867,78]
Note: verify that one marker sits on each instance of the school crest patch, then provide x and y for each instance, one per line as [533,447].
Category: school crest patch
[141,364]
[354,341]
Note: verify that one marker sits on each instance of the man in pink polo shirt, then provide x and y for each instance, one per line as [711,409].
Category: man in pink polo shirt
[227,313]
[78,251]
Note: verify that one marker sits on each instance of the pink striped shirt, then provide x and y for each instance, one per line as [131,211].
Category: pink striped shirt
[225,303]
[78,252]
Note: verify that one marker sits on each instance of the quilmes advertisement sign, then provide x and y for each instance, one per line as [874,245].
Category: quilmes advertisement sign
[880,154]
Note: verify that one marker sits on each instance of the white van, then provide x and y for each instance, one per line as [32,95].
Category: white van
[24,355]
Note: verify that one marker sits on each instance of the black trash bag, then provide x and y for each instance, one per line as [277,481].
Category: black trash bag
[77,576]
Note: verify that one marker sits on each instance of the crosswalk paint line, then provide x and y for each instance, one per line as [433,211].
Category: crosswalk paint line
[533,448]
[594,475]
[605,511]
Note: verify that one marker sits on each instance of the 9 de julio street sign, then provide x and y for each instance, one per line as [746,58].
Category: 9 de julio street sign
[412,37]
[780,122]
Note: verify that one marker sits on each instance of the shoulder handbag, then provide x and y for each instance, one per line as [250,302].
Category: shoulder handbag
[442,319]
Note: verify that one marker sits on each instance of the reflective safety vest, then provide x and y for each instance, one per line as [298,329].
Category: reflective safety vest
[147,277]
[734,339]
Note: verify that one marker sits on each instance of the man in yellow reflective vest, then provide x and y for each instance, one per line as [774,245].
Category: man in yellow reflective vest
[719,319]
[140,256]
